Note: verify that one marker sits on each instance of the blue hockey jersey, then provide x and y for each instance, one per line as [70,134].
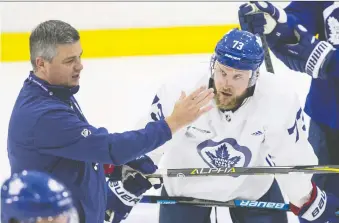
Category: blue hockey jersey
[48,132]
[321,18]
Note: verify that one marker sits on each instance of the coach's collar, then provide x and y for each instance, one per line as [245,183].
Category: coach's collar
[56,90]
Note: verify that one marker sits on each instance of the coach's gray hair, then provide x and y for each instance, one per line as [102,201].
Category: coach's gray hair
[47,35]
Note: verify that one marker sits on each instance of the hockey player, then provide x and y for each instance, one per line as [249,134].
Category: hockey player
[254,121]
[290,34]
[48,131]
[36,197]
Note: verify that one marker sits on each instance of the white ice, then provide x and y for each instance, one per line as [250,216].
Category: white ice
[116,92]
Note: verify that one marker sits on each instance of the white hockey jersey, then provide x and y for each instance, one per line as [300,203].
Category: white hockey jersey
[267,130]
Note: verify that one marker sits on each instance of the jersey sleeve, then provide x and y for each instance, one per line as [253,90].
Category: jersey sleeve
[290,147]
[160,107]
[331,65]
[60,132]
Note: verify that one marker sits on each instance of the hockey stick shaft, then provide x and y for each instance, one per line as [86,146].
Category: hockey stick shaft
[211,203]
[268,60]
[236,171]
[166,200]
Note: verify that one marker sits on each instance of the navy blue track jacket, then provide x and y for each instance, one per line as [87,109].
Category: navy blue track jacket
[48,132]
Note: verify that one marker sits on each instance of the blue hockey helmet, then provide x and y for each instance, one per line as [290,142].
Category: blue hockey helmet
[240,50]
[33,196]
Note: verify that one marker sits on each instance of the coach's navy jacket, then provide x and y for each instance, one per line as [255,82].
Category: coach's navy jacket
[48,132]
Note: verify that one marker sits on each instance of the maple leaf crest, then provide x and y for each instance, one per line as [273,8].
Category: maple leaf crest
[222,157]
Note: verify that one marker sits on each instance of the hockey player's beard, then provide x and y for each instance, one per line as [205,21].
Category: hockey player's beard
[229,102]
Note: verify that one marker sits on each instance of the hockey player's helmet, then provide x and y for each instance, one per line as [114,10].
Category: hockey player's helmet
[241,50]
[32,196]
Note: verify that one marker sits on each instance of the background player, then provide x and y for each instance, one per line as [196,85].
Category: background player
[32,196]
[290,34]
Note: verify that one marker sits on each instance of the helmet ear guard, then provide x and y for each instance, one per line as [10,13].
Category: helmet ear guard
[212,64]
[254,78]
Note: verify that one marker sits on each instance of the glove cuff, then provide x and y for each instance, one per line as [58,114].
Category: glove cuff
[314,208]
[317,207]
[317,58]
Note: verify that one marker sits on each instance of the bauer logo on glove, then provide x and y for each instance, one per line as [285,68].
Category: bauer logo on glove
[126,197]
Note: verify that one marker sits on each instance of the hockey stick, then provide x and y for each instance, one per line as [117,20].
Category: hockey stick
[273,206]
[236,171]
[211,203]
[268,61]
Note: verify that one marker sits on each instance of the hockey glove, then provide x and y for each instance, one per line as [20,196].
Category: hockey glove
[120,201]
[307,56]
[320,208]
[142,164]
[265,18]
[124,195]
[126,188]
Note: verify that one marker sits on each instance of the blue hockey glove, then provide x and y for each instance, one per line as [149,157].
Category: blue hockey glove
[123,195]
[265,18]
[320,208]
[120,201]
[306,56]
[125,189]
[143,164]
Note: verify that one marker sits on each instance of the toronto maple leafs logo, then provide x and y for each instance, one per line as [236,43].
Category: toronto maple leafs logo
[222,157]
[226,153]
[331,24]
[158,114]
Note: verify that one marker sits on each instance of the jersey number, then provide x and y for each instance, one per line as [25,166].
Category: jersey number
[295,127]
[157,115]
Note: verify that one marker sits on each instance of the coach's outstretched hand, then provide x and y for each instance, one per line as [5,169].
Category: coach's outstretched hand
[189,108]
